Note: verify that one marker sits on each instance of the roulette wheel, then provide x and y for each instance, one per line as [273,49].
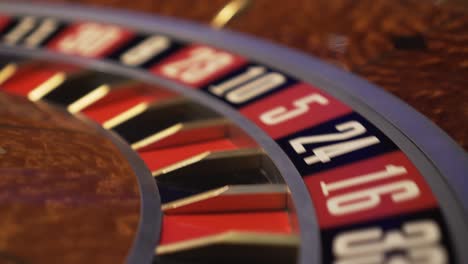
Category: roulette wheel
[130,138]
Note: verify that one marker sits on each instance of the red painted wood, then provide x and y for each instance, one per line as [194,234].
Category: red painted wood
[29,77]
[120,100]
[178,228]
[3,21]
[160,158]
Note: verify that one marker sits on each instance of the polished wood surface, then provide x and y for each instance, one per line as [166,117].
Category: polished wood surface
[414,49]
[67,195]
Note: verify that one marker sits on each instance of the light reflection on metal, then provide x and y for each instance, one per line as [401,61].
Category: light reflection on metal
[181,164]
[46,87]
[228,12]
[237,240]
[124,116]
[255,197]
[89,99]
[7,72]
[185,133]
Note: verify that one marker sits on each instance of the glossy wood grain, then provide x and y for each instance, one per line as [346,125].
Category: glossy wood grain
[67,196]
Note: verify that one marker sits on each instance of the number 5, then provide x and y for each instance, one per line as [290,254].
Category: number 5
[280,114]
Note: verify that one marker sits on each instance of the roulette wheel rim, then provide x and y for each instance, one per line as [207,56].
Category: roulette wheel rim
[401,124]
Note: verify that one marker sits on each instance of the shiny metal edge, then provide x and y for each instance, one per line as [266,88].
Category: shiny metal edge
[149,226]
